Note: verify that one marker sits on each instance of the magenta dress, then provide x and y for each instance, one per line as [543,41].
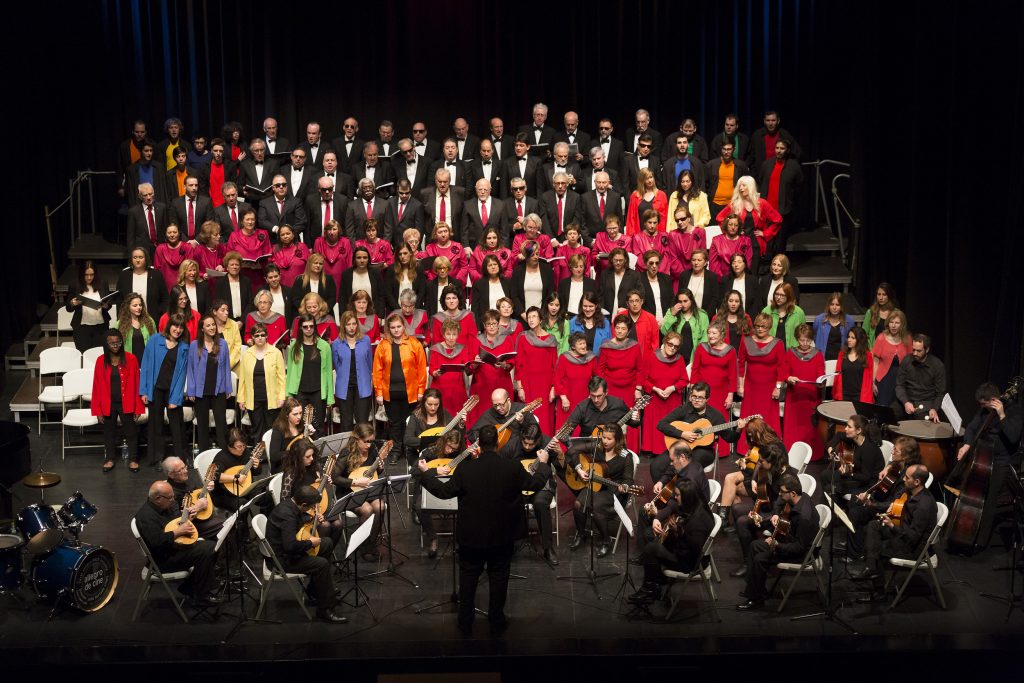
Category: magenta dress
[380,251]
[561,268]
[603,245]
[291,261]
[476,262]
[722,251]
[802,400]
[254,248]
[454,253]
[543,241]
[718,369]
[337,258]
[662,243]
[761,365]
[683,244]
[535,370]
[167,259]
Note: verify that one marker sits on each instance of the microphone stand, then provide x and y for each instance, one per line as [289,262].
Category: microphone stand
[592,576]
[243,592]
[392,568]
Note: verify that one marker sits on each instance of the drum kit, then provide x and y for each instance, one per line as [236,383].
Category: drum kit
[62,568]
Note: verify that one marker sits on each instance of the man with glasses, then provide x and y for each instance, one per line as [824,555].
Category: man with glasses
[694,409]
[256,171]
[521,164]
[517,207]
[281,209]
[428,150]
[411,166]
[323,207]
[614,151]
[349,146]
[299,175]
[404,211]
[184,481]
[502,407]
[644,158]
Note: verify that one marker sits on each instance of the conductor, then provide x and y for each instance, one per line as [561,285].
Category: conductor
[489,489]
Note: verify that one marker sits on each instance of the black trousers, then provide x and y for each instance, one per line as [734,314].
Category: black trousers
[318,569]
[89,336]
[157,446]
[218,403]
[200,557]
[313,398]
[879,542]
[260,419]
[747,531]
[541,501]
[398,413]
[861,515]
[655,556]
[472,561]
[761,558]
[354,410]
[604,510]
[128,428]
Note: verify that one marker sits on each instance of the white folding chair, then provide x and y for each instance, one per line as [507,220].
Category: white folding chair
[266,445]
[89,357]
[63,321]
[716,491]
[710,233]
[273,571]
[808,484]
[276,482]
[799,455]
[887,447]
[56,361]
[811,561]
[151,574]
[204,459]
[76,383]
[830,367]
[928,557]
[701,572]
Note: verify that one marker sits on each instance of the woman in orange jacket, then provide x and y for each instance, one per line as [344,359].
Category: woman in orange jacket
[399,385]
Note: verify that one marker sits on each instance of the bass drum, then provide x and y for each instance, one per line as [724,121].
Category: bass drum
[86,573]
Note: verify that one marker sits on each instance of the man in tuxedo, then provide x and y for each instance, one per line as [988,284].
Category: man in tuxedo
[698,146]
[281,208]
[386,145]
[349,146]
[502,145]
[762,141]
[614,151]
[429,150]
[192,210]
[683,161]
[147,220]
[617,281]
[228,213]
[560,208]
[731,133]
[219,170]
[723,173]
[256,170]
[559,163]
[642,124]
[325,206]
[404,211]
[411,166]
[450,162]
[485,166]
[574,136]
[443,202]
[481,213]
[314,147]
[365,206]
[371,167]
[598,165]
[522,165]
[128,152]
[275,144]
[597,203]
[517,208]
[343,182]
[644,158]
[541,135]
[468,143]
[298,174]
[145,170]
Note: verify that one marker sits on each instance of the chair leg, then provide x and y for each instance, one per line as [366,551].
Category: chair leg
[714,570]
[263,599]
[144,595]
[298,597]
[714,598]
[789,589]
[177,604]
[903,586]
[938,586]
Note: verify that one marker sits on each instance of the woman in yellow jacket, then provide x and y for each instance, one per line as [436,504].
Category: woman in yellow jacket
[399,382]
[261,382]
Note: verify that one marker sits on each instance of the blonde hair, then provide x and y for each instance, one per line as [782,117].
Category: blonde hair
[737,199]
[321,304]
[313,258]
[183,268]
[641,180]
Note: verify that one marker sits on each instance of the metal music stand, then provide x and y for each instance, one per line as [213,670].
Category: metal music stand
[348,503]
[880,415]
[386,488]
[357,538]
[627,524]
[232,523]
[592,576]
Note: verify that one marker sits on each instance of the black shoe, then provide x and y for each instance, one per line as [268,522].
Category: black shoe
[551,556]
[649,592]
[739,572]
[207,600]
[638,560]
[749,605]
[873,596]
[432,552]
[330,616]
[866,574]
[728,530]
[743,593]
[603,550]
[499,626]
[577,541]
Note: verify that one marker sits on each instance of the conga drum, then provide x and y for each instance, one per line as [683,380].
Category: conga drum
[833,415]
[935,442]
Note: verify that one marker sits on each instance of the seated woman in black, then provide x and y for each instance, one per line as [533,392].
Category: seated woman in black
[855,474]
[301,467]
[286,428]
[235,455]
[349,472]
[617,461]
[868,503]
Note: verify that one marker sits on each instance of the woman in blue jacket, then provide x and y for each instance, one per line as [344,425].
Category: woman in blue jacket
[591,322]
[162,386]
[353,364]
[831,327]
[209,381]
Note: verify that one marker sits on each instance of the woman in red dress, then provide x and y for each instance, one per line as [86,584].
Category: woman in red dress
[361,304]
[336,250]
[604,242]
[619,364]
[804,365]
[715,363]
[490,243]
[573,371]
[572,245]
[487,377]
[290,256]
[536,354]
[275,323]
[724,246]
[453,311]
[170,255]
[762,372]
[451,384]
[663,376]
[210,251]
[645,196]
[381,254]
[442,244]
[254,246]
[508,324]
[759,219]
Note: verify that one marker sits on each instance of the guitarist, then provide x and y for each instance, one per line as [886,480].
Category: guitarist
[502,406]
[184,481]
[617,461]
[282,528]
[599,409]
[771,471]
[233,456]
[531,442]
[300,466]
[694,409]
[361,453]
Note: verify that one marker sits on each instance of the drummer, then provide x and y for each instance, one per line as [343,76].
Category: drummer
[921,381]
[152,517]
[182,481]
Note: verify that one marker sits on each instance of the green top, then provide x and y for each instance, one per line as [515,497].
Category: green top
[793,320]
[128,338]
[698,327]
[561,334]
[293,370]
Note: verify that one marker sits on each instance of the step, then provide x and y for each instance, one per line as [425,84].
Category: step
[32,361]
[26,398]
[820,270]
[95,248]
[814,303]
[107,272]
[819,239]
[15,357]
[48,325]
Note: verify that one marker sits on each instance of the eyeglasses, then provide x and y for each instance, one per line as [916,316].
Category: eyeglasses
[115,343]
[672,345]
[519,188]
[280,184]
[683,219]
[260,335]
[308,326]
[698,397]
[604,127]
[782,491]
[348,125]
[419,130]
[644,144]
[327,189]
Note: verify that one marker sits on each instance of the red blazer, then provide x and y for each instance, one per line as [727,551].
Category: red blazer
[130,398]
[633,220]
[646,331]
[867,394]
[767,220]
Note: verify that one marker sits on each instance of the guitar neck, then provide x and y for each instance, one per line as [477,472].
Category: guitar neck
[722,427]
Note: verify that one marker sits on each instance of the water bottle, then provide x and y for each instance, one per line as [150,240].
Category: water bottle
[124,450]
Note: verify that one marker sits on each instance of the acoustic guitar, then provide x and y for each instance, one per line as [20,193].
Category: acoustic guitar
[308,531]
[201,493]
[370,471]
[704,430]
[430,437]
[173,525]
[321,507]
[505,431]
[530,464]
[640,404]
[895,511]
[598,480]
[244,483]
[571,478]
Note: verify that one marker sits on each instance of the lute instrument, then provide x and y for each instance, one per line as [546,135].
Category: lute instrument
[430,437]
[704,430]
[452,463]
[173,525]
[505,431]
[308,531]
[201,493]
[321,507]
[370,471]
[244,483]
[530,464]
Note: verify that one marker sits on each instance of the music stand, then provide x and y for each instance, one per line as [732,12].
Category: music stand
[627,524]
[332,444]
[592,576]
[357,538]
[243,593]
[386,488]
[880,415]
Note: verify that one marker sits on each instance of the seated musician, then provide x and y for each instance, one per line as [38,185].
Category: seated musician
[151,519]
[855,474]
[884,537]
[680,530]
[616,461]
[791,546]
[184,481]
[743,483]
[430,413]
[599,410]
[449,446]
[531,441]
[765,485]
[360,454]
[231,457]
[502,406]
[282,535]
[694,409]
[285,429]
[867,504]
[300,466]
[681,466]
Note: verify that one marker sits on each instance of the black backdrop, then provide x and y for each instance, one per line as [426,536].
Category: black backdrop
[914,98]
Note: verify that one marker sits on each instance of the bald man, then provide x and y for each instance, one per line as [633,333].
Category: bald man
[502,408]
[480,213]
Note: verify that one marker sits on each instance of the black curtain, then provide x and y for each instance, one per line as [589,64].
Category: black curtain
[894,88]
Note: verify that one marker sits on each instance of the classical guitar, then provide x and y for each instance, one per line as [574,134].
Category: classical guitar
[895,511]
[370,471]
[244,483]
[704,430]
[173,525]
[201,493]
[430,437]
[571,478]
[530,464]
[598,481]
[505,431]
[640,404]
[321,507]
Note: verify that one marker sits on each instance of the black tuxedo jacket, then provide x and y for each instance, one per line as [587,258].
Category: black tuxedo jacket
[389,153]
[570,212]
[630,280]
[630,140]
[343,184]
[306,185]
[790,180]
[472,228]
[585,184]
[281,146]
[507,147]
[156,290]
[615,158]
[713,168]
[461,173]
[203,212]
[582,140]
[318,163]
[547,136]
[475,169]
[294,215]
[429,150]
[412,217]
[355,217]
[203,173]
[315,216]
[666,289]
[590,210]
[530,205]
[138,226]
[348,159]
[383,174]
[631,167]
[470,149]
[510,170]
[422,177]
[545,179]
[223,216]
[453,210]
[222,290]
[247,176]
[160,190]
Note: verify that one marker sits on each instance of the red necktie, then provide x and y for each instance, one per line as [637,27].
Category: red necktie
[519,207]
[327,213]
[601,206]
[369,209]
[234,218]
[442,214]
[152,224]
[483,213]
[559,216]
[280,208]
[401,210]
[191,219]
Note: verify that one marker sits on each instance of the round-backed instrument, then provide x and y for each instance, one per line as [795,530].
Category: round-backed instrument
[86,574]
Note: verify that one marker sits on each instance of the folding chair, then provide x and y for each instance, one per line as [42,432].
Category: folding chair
[151,574]
[273,571]
[887,447]
[204,459]
[799,455]
[276,482]
[89,357]
[553,507]
[812,560]
[76,383]
[56,361]
[702,572]
[808,484]
[928,557]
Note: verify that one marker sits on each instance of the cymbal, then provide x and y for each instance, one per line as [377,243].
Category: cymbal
[41,480]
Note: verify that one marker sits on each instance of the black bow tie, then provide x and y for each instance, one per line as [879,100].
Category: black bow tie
[348,140]
[449,163]
[315,144]
[329,175]
[419,144]
[538,127]
[604,140]
[411,162]
[486,163]
[496,139]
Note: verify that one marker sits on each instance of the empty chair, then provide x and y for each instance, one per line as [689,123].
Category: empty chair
[75,384]
[799,455]
[808,484]
[56,361]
